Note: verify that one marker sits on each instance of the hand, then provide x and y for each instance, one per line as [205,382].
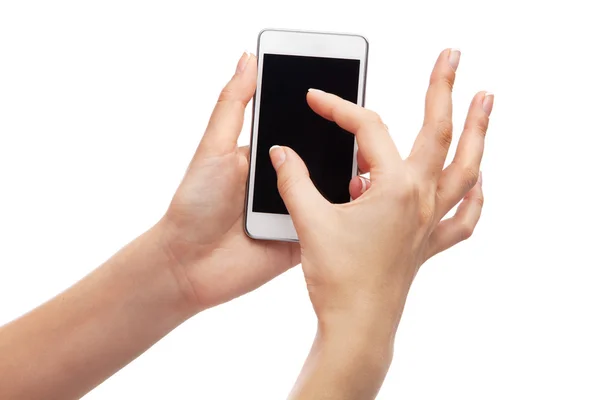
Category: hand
[203,227]
[360,258]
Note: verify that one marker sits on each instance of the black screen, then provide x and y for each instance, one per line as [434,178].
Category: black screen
[286,119]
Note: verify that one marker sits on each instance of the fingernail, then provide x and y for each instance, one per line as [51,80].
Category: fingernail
[277,156]
[488,103]
[454,58]
[241,65]
[315,90]
[363,184]
[480,180]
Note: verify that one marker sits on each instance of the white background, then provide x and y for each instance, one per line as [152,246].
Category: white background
[103,103]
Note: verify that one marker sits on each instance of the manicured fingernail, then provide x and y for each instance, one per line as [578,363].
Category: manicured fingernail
[363,184]
[480,180]
[241,65]
[277,156]
[315,90]
[488,103]
[454,58]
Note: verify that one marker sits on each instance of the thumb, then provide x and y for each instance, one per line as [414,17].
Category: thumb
[227,118]
[297,190]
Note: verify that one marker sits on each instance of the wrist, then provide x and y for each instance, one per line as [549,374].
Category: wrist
[375,313]
[173,262]
[346,359]
[361,331]
[373,349]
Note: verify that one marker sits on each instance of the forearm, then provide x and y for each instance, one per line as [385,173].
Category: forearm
[348,360]
[69,345]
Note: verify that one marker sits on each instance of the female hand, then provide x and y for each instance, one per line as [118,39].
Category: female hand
[203,228]
[360,258]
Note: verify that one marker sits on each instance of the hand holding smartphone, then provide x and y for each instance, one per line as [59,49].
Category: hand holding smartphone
[290,63]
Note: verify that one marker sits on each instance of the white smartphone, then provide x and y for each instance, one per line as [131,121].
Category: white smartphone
[289,63]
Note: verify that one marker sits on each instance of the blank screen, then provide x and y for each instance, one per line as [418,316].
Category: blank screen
[286,119]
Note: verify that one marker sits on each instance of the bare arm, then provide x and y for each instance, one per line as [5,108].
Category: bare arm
[66,347]
[348,360]
[359,259]
[196,257]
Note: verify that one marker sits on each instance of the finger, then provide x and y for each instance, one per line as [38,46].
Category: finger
[358,186]
[461,226]
[227,118]
[301,197]
[376,145]
[462,174]
[431,146]
[363,166]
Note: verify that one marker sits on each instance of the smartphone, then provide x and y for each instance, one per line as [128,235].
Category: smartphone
[289,63]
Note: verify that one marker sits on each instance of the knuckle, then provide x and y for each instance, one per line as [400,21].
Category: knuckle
[228,96]
[469,176]
[442,79]
[465,230]
[480,127]
[371,118]
[479,200]
[286,184]
[443,131]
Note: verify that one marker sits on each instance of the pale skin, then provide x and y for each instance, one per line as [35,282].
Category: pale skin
[359,259]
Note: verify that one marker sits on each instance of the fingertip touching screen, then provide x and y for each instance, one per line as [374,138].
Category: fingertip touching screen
[285,119]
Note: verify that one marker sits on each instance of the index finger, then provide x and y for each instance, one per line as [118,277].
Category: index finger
[374,141]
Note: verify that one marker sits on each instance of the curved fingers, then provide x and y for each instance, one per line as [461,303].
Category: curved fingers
[459,227]
[377,147]
[462,174]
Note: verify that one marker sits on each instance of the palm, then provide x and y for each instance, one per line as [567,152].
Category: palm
[209,209]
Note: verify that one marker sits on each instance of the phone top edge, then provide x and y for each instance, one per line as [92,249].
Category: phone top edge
[313,32]
[312,43]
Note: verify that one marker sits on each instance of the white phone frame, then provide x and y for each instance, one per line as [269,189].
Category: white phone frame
[267,226]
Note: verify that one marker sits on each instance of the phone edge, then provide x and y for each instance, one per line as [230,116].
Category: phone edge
[250,160]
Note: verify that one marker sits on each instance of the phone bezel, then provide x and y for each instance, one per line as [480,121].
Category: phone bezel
[268,226]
